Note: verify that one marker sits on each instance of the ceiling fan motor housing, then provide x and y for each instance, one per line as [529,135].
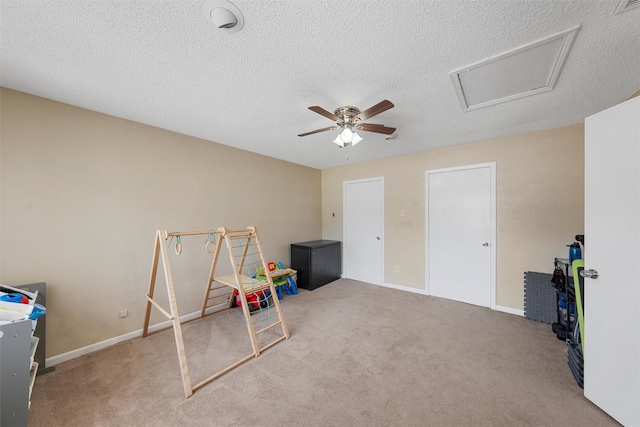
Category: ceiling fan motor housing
[347,114]
[351,118]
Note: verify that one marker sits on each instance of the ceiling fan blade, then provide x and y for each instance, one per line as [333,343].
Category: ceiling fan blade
[318,131]
[324,112]
[367,127]
[380,107]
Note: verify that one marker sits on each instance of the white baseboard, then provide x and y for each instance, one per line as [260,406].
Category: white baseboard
[424,292]
[510,310]
[405,288]
[64,357]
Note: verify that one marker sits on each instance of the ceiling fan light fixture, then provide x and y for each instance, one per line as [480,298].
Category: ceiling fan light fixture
[338,141]
[346,135]
[347,119]
[347,138]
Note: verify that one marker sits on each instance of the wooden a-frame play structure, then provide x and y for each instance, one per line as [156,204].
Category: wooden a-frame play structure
[247,259]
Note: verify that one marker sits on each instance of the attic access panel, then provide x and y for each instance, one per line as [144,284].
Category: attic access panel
[524,71]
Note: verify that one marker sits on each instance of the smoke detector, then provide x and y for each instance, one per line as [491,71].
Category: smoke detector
[224,15]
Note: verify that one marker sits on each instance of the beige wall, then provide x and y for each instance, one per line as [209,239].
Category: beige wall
[82,194]
[540,204]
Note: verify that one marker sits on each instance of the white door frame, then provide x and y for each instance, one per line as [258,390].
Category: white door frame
[344,223]
[492,243]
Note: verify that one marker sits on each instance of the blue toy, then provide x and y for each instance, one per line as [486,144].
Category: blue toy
[38,310]
[279,284]
[16,298]
[293,290]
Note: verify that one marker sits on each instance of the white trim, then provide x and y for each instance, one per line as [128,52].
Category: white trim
[494,254]
[405,288]
[73,354]
[344,226]
[567,37]
[510,310]
[626,5]
[504,309]
[492,243]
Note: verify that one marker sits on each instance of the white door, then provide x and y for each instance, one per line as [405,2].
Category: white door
[460,215]
[363,247]
[612,248]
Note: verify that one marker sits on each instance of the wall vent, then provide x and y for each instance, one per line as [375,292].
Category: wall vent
[626,5]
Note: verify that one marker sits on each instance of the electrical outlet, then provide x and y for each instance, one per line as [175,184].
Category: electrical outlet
[397,269]
[124,313]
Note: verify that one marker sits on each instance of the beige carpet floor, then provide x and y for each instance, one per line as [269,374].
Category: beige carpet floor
[359,355]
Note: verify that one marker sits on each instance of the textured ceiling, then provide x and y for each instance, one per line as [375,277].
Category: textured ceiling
[163,63]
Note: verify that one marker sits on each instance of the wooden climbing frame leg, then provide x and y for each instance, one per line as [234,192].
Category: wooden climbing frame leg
[160,250]
[250,281]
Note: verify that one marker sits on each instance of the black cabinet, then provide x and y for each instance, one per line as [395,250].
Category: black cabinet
[317,262]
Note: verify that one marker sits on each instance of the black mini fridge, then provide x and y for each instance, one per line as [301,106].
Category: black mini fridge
[317,262]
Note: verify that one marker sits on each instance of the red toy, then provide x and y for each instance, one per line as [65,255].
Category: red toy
[255,300]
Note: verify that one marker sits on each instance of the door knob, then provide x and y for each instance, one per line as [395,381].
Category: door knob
[485,244]
[590,274]
[378,237]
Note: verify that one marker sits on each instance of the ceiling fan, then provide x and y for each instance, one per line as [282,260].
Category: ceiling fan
[350,119]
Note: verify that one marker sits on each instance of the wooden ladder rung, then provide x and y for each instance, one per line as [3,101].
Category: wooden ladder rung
[266,328]
[236,237]
[214,311]
[159,307]
[219,296]
[213,302]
